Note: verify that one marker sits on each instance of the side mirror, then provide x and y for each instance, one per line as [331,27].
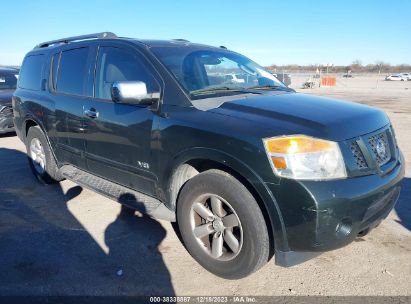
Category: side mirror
[132,92]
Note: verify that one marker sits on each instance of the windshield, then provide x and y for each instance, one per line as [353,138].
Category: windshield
[8,80]
[205,71]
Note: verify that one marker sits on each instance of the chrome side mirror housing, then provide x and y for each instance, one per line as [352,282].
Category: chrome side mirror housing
[132,92]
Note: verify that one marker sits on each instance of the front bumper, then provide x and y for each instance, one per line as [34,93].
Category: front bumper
[325,215]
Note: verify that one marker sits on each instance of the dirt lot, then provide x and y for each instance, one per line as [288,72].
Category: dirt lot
[65,240]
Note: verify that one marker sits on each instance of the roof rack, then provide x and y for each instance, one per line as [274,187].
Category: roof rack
[103,35]
[180,39]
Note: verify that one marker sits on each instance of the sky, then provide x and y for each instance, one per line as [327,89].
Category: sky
[269,32]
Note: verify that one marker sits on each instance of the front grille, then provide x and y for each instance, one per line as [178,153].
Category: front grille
[380,148]
[375,149]
[358,156]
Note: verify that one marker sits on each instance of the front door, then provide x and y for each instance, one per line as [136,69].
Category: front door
[118,136]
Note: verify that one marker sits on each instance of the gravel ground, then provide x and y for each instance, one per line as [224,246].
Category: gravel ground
[65,240]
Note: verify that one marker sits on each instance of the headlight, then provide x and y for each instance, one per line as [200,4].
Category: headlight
[303,157]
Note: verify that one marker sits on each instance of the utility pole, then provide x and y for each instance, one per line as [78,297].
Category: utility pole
[379,73]
[327,79]
[319,77]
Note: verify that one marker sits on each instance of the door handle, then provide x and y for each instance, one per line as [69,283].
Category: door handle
[92,113]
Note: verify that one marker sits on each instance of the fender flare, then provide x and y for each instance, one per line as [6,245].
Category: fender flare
[41,126]
[266,197]
[36,121]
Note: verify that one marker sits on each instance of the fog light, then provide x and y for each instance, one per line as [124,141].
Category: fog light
[344,228]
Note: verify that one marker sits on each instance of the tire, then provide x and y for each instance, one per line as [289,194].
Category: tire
[44,167]
[251,251]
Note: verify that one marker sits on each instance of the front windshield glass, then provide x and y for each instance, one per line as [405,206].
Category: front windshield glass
[205,71]
[8,80]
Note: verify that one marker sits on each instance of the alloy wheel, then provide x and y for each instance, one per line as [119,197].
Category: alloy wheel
[38,157]
[216,227]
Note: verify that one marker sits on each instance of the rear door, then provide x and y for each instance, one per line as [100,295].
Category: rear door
[70,87]
[118,136]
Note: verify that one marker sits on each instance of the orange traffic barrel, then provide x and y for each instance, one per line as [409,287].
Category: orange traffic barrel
[328,81]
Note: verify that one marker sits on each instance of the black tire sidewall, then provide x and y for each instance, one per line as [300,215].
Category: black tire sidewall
[255,249]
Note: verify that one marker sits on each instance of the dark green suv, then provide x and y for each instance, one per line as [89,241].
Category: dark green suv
[247,167]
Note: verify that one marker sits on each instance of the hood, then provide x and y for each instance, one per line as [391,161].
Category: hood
[294,113]
[5,97]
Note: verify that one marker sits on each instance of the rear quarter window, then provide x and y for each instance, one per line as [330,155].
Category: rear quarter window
[30,73]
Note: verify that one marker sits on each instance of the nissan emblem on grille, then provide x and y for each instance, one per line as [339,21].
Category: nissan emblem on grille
[380,147]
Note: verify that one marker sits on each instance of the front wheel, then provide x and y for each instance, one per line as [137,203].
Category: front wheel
[222,225]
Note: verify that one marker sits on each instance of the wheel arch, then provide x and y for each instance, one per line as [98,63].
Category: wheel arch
[30,122]
[198,160]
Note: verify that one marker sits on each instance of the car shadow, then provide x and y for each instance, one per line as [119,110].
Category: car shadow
[403,206]
[133,239]
[45,249]
[9,134]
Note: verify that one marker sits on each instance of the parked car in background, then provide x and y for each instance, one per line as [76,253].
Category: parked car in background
[8,81]
[233,78]
[348,75]
[396,77]
[283,77]
[406,75]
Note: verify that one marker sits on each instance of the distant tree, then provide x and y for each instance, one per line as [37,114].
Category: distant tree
[383,66]
[356,66]
[404,68]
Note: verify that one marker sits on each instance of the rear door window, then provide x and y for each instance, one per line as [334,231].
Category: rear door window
[72,71]
[31,72]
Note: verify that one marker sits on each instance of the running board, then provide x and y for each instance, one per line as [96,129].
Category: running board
[121,194]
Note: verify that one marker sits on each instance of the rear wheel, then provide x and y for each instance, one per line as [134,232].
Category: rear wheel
[41,160]
[222,225]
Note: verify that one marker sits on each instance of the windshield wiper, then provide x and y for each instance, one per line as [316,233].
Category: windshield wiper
[270,87]
[221,88]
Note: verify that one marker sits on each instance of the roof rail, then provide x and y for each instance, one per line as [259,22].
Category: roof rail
[103,35]
[180,39]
